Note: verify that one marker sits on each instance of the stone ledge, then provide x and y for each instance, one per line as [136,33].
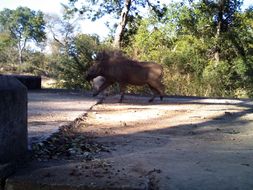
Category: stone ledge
[31,82]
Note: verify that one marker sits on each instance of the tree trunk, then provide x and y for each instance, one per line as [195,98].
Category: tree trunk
[21,47]
[221,4]
[122,24]
[20,56]
[217,45]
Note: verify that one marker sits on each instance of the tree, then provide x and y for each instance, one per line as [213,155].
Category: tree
[6,49]
[63,33]
[70,66]
[185,40]
[71,53]
[24,25]
[212,19]
[224,14]
[122,10]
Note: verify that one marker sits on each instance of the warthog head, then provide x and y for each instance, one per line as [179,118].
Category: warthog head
[93,72]
[96,68]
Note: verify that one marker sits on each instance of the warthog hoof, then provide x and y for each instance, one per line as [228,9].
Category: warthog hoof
[151,100]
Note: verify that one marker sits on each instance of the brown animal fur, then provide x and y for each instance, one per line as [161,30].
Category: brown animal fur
[115,67]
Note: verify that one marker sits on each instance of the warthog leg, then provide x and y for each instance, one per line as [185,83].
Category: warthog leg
[103,87]
[122,91]
[154,93]
[157,88]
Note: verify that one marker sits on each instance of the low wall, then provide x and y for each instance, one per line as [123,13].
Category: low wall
[13,120]
[31,82]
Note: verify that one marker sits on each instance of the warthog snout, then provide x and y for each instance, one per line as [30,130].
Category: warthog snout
[92,72]
[88,77]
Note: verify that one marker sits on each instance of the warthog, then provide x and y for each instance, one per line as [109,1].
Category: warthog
[115,67]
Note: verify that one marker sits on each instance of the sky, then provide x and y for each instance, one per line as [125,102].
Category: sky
[54,7]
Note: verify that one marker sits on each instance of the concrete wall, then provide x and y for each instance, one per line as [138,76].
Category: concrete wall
[31,82]
[13,120]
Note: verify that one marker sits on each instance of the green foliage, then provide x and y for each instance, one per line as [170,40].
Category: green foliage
[123,10]
[218,79]
[7,52]
[149,43]
[185,44]
[5,40]
[96,9]
[185,64]
[34,63]
[23,25]
[71,65]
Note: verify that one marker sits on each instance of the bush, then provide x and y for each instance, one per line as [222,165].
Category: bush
[71,64]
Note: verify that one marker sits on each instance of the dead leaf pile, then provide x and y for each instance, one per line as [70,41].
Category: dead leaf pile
[67,145]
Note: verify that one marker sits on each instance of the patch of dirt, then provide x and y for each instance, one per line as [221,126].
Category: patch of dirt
[180,143]
[48,109]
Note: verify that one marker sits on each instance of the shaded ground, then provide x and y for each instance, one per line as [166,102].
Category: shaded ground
[181,143]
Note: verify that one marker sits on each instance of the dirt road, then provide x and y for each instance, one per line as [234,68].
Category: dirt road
[181,143]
